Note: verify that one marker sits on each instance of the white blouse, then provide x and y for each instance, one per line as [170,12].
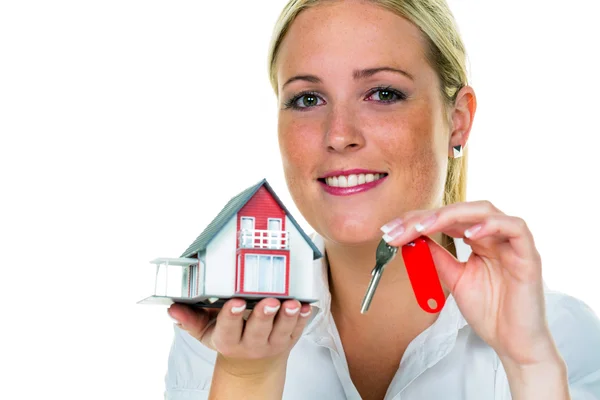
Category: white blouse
[446,361]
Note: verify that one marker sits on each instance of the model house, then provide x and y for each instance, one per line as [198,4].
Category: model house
[252,249]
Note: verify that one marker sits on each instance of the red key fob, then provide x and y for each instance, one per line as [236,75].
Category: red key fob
[423,275]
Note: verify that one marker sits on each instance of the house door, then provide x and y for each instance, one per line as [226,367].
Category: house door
[274,233]
[264,273]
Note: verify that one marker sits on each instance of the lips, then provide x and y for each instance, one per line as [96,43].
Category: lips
[352,180]
[343,183]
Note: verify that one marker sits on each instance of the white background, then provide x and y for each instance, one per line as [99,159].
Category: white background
[119,120]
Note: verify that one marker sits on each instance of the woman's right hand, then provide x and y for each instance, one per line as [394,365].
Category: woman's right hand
[256,346]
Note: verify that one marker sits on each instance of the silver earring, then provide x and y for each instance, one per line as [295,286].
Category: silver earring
[458,150]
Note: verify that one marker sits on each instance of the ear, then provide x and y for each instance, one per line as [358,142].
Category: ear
[462,116]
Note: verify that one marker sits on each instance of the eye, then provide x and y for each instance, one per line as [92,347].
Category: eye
[386,95]
[304,100]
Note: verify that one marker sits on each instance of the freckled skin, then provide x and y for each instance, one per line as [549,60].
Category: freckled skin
[408,139]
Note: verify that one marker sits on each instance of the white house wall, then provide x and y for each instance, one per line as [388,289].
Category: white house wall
[220,261]
[301,264]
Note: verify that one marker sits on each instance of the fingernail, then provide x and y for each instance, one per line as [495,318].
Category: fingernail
[420,227]
[271,310]
[305,314]
[292,311]
[394,233]
[387,228]
[239,309]
[472,231]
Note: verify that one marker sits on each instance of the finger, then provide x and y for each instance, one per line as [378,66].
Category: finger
[400,222]
[191,319]
[452,220]
[511,229]
[449,269]
[259,325]
[284,323]
[303,318]
[229,326]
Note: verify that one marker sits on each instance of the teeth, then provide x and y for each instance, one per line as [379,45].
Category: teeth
[352,180]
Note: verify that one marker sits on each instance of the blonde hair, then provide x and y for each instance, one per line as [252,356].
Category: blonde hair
[445,53]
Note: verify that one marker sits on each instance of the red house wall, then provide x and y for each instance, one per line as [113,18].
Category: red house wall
[261,206]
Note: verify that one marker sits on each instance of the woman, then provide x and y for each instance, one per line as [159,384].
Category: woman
[380,87]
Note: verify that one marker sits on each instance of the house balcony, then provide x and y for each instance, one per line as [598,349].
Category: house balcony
[263,239]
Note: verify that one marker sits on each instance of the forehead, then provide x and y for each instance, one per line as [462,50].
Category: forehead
[339,35]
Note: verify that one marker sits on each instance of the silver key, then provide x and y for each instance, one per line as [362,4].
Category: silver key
[385,254]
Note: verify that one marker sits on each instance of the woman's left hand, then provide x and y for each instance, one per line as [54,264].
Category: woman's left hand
[499,290]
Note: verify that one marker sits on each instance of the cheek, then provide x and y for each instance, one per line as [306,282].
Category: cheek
[408,139]
[428,170]
[427,175]
[296,143]
[412,147]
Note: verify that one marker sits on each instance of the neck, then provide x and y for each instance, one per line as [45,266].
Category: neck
[349,275]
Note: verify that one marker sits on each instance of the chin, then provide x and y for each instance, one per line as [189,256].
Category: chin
[350,231]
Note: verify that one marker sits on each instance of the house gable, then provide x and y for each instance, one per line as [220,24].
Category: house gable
[262,206]
[215,226]
[262,202]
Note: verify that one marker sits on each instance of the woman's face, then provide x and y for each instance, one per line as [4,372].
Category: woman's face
[371,139]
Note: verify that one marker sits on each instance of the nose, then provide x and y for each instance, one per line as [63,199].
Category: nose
[343,133]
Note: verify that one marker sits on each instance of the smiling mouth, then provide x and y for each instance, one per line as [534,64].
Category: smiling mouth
[351,180]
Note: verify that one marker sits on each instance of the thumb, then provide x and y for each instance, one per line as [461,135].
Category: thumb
[192,319]
[449,268]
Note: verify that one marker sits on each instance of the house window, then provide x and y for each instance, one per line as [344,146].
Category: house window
[274,227]
[264,273]
[247,228]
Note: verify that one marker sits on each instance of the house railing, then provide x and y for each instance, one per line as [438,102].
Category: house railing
[263,239]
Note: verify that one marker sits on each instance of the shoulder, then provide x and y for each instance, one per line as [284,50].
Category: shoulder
[569,316]
[575,328]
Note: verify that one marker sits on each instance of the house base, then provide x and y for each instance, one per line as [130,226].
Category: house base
[216,301]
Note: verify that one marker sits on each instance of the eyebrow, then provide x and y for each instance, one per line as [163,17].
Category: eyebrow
[357,74]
